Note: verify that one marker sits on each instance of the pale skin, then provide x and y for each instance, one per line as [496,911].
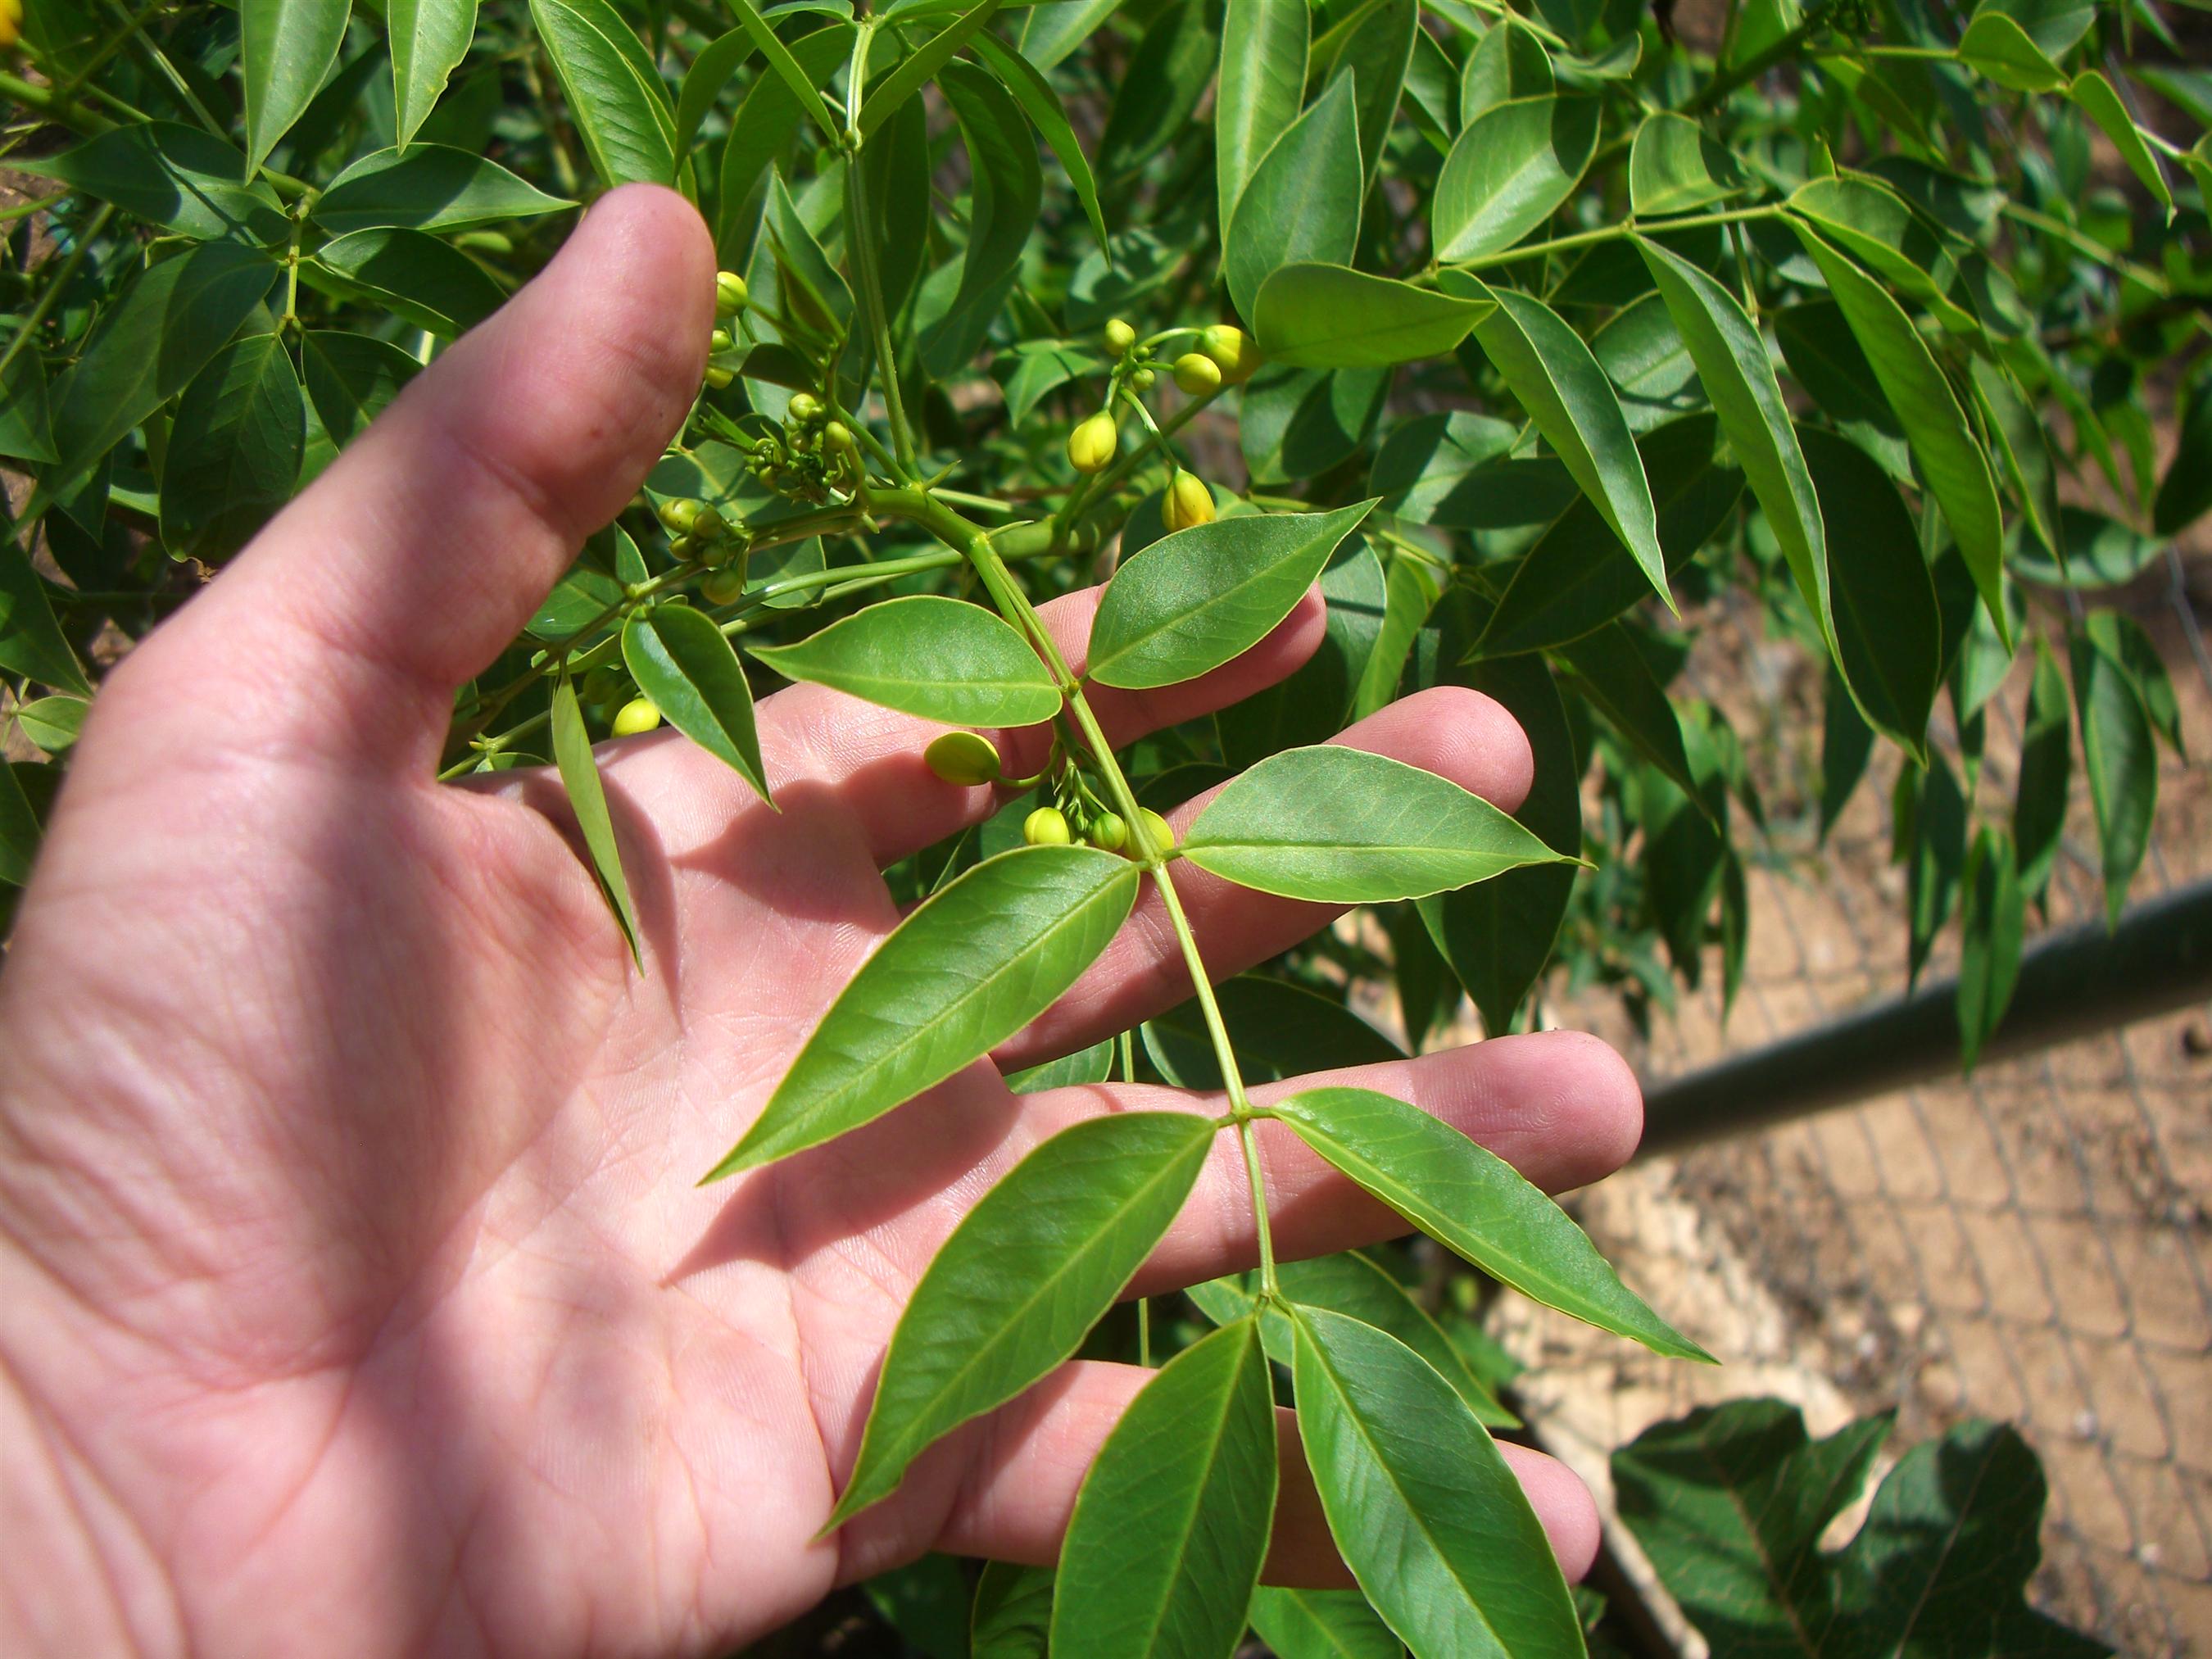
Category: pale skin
[356,1294]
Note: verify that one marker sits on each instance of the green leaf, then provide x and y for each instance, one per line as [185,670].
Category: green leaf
[2117,754]
[1615,676]
[970,967]
[53,723]
[2185,495]
[27,419]
[1729,1503]
[285,47]
[1049,117]
[1165,1546]
[1732,363]
[1412,590]
[1008,189]
[1508,172]
[431,283]
[1303,200]
[1424,1507]
[428,187]
[1871,223]
[1026,1274]
[943,659]
[1376,54]
[1999,48]
[615,96]
[681,661]
[2021,444]
[1990,929]
[710,71]
[1091,1065]
[1161,88]
[1361,1288]
[2038,813]
[800,83]
[2121,639]
[1578,576]
[1497,937]
[1298,423]
[31,640]
[149,344]
[1312,705]
[1257,96]
[1957,470]
[926,1602]
[2056,26]
[19,829]
[1507,62]
[1673,168]
[1324,316]
[1472,1201]
[235,453]
[1888,631]
[1012,1617]
[429,38]
[1644,355]
[2093,94]
[1825,359]
[921,66]
[1456,470]
[1936,856]
[1341,826]
[587,798]
[1194,599]
[801,260]
[1049,33]
[1305,1624]
[1278,1030]
[1566,394]
[350,379]
[1846,746]
[180,178]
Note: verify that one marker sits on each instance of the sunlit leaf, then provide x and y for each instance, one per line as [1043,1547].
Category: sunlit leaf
[940,659]
[681,661]
[1323,316]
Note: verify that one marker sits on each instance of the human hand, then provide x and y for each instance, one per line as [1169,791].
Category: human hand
[354,1288]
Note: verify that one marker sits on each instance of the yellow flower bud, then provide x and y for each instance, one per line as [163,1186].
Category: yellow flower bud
[1232,351]
[718,378]
[1152,835]
[1142,378]
[1092,446]
[964,757]
[1197,374]
[1188,501]
[729,293]
[678,516]
[805,408]
[636,715]
[1046,827]
[1120,336]
[1108,832]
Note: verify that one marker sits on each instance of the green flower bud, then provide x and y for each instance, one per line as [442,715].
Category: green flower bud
[636,715]
[678,516]
[1108,832]
[1188,501]
[1092,446]
[1120,336]
[805,408]
[718,341]
[1152,833]
[708,525]
[1197,374]
[836,438]
[1142,378]
[1047,827]
[963,758]
[1231,351]
[718,378]
[723,586]
[729,293]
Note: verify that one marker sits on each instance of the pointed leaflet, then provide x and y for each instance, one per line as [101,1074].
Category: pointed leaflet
[1508,171]
[1729,1503]
[1322,316]
[615,95]
[428,187]
[1423,1505]
[1957,470]
[1614,676]
[431,283]
[1342,826]
[1091,1065]
[1888,632]
[31,640]
[2039,812]
[429,38]
[285,48]
[764,123]
[1024,1277]
[1169,1531]
[1194,599]
[1989,929]
[1733,366]
[234,452]
[962,973]
[350,378]
[27,418]
[20,829]
[1262,78]
[1303,200]
[1507,62]
[2122,638]
[943,659]
[797,80]
[1375,56]
[2093,94]
[1673,168]
[1048,116]
[1160,89]
[587,798]
[2122,764]
[175,176]
[1008,189]
[681,661]
[1012,1615]
[1566,394]
[1307,1624]
[1473,1202]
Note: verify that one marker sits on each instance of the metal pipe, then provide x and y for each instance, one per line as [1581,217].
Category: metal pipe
[2073,984]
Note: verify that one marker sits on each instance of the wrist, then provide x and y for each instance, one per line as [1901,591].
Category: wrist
[79,1574]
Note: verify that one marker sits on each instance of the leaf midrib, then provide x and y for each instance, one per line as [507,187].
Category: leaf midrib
[1172,619]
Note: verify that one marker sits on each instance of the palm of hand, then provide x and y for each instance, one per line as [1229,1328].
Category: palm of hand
[356,1162]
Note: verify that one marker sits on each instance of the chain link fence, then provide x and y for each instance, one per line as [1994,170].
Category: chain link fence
[2029,1243]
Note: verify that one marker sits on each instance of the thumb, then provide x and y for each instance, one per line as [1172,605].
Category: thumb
[348,623]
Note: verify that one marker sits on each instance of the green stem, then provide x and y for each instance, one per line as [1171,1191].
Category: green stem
[52,291]
[859,228]
[2087,245]
[1614,232]
[1717,89]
